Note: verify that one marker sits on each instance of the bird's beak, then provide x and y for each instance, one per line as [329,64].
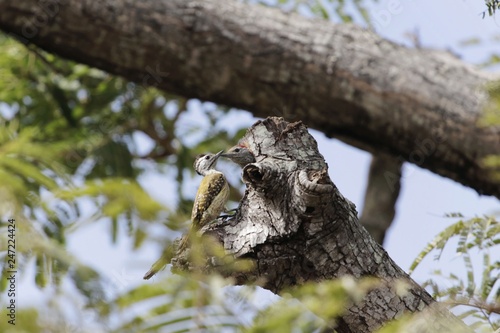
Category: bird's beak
[215,158]
[228,154]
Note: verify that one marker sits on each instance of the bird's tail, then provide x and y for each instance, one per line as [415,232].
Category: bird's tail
[165,258]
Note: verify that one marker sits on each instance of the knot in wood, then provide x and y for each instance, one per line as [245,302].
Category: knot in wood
[259,175]
[314,182]
[312,190]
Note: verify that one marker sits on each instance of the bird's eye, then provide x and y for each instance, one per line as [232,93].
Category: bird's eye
[207,157]
[237,150]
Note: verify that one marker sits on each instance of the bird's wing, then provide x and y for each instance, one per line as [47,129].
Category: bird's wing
[211,185]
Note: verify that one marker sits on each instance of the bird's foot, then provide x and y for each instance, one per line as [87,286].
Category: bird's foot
[235,210]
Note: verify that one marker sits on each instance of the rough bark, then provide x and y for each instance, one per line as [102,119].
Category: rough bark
[382,191]
[296,226]
[417,105]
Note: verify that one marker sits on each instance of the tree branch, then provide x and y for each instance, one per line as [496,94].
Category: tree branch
[382,192]
[420,106]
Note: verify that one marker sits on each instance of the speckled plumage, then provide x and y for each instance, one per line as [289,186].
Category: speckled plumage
[211,196]
[210,199]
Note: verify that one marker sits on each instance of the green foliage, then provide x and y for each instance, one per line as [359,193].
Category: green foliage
[176,304]
[479,291]
[334,10]
[287,315]
[26,322]
[29,167]
[68,139]
[312,306]
[492,162]
[492,110]
[491,7]
[424,321]
[26,165]
[491,117]
[115,198]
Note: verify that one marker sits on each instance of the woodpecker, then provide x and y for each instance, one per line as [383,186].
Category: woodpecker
[240,154]
[212,194]
[209,202]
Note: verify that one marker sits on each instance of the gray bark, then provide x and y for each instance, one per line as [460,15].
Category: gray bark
[382,192]
[297,227]
[418,105]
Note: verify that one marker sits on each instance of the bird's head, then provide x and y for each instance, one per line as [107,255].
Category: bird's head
[240,154]
[205,162]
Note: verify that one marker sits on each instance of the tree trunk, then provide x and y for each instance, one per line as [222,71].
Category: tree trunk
[382,192]
[418,105]
[296,226]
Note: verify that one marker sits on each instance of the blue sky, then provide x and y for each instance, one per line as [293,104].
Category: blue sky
[424,199]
